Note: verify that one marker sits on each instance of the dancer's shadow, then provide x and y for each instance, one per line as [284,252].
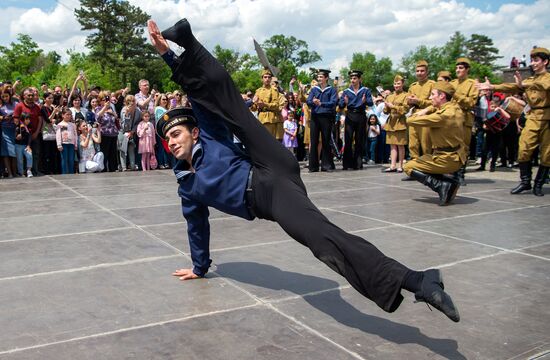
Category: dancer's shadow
[332,304]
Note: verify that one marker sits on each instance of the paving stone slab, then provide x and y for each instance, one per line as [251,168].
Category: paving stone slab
[424,206]
[160,214]
[69,305]
[276,271]
[421,250]
[35,194]
[502,302]
[18,258]
[256,333]
[224,233]
[54,224]
[510,230]
[143,200]
[72,205]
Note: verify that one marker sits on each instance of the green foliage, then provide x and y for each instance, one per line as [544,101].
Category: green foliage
[375,72]
[444,57]
[288,54]
[481,50]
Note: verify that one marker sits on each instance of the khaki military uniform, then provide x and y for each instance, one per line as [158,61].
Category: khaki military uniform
[269,114]
[279,131]
[465,96]
[536,131]
[449,152]
[419,138]
[396,125]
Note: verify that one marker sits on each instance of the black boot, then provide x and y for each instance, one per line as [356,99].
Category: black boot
[445,189]
[541,177]
[180,33]
[525,173]
[431,292]
[458,176]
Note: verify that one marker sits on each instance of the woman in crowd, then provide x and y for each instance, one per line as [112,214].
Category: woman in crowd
[106,117]
[7,150]
[130,117]
[49,155]
[90,114]
[90,160]
[161,106]
[79,112]
[396,125]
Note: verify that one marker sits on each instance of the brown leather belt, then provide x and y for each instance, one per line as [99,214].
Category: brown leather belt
[447,149]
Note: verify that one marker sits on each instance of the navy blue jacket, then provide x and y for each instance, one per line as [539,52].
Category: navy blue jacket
[355,101]
[219,181]
[328,97]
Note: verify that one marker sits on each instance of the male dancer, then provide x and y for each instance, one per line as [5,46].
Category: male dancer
[212,171]
[355,99]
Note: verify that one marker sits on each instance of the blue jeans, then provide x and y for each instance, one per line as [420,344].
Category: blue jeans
[21,153]
[162,157]
[67,159]
[372,142]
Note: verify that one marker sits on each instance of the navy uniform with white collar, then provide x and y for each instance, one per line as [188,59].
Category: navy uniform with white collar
[266,184]
[356,122]
[322,120]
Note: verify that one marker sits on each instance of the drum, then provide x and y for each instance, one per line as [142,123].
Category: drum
[512,107]
[496,122]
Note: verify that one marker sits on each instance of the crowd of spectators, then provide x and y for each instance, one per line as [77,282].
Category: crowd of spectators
[82,129]
[89,129]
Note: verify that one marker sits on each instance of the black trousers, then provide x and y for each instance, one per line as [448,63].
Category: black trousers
[51,159]
[354,140]
[278,191]
[108,147]
[492,145]
[321,123]
[509,145]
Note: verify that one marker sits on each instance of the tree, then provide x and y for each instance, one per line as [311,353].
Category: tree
[117,43]
[20,59]
[375,72]
[288,54]
[481,50]
[230,59]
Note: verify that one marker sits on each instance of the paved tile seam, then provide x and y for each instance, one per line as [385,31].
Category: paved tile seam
[67,234]
[487,199]
[151,235]
[481,191]
[92,267]
[341,190]
[315,332]
[128,329]
[365,204]
[477,214]
[34,200]
[252,245]
[145,206]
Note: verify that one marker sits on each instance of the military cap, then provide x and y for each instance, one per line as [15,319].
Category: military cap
[357,73]
[421,63]
[444,74]
[397,78]
[540,50]
[324,72]
[267,72]
[445,87]
[463,60]
[174,117]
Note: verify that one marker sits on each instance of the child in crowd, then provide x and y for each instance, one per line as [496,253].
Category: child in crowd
[66,138]
[23,144]
[291,128]
[372,137]
[493,134]
[147,141]
[90,160]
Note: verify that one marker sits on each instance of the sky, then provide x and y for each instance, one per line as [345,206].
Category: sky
[335,29]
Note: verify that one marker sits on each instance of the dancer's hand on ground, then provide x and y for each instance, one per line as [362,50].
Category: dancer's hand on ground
[185,274]
[156,37]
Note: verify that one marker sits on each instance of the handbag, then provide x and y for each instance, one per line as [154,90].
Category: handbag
[153,163]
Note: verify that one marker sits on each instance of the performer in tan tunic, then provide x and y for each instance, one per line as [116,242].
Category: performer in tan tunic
[396,126]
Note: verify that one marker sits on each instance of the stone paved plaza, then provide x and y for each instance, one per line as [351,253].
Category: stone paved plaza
[86,263]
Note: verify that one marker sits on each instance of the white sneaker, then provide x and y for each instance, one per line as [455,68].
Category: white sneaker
[29,173]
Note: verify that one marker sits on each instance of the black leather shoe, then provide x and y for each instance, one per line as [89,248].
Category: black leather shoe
[431,292]
[180,33]
[525,171]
